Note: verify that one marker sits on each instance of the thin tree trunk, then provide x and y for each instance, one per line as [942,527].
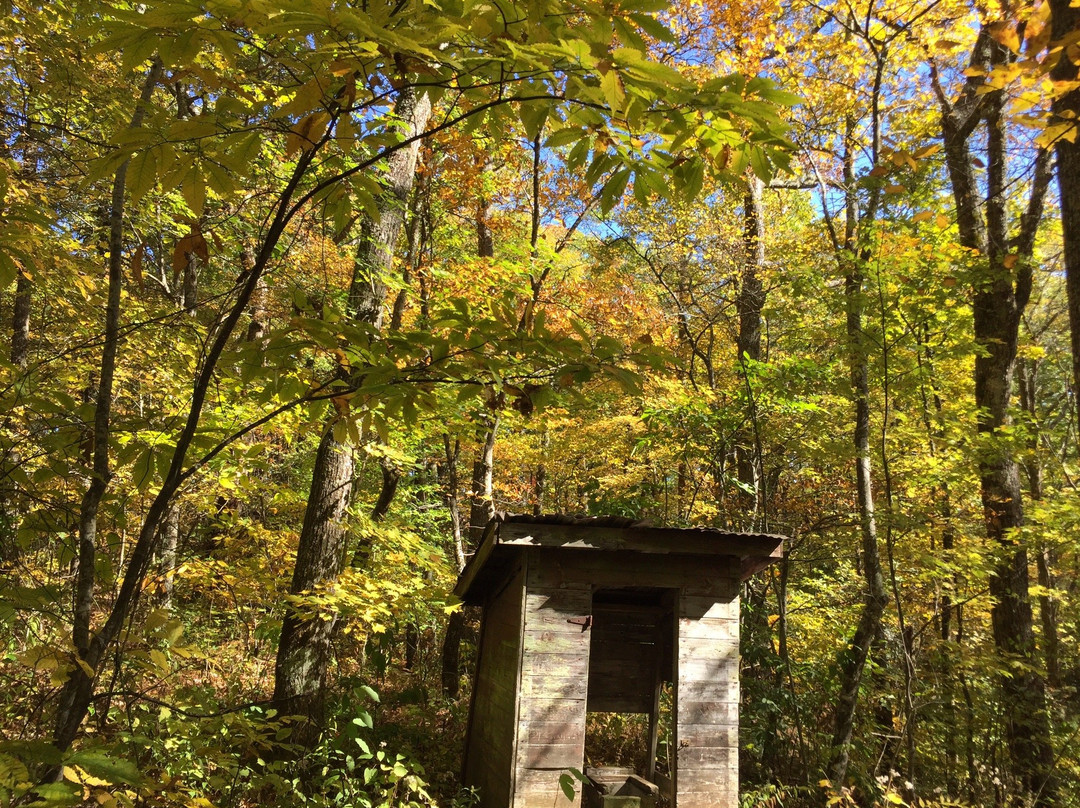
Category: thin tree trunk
[189,284]
[1044,556]
[80,682]
[20,352]
[455,628]
[749,303]
[170,540]
[1065,19]
[934,434]
[876,596]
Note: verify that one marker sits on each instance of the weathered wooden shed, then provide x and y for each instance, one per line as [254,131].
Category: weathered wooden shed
[594,615]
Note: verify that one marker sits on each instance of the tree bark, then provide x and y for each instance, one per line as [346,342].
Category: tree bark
[876,596]
[20,322]
[1064,20]
[170,540]
[20,353]
[748,304]
[999,299]
[455,629]
[1044,557]
[485,241]
[304,647]
[305,644]
[189,284]
[482,498]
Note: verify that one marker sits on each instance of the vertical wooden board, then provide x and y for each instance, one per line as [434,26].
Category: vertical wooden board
[539,788]
[706,701]
[554,680]
[489,756]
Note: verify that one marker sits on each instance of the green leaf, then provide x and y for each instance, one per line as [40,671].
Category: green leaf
[613,190]
[566,783]
[653,27]
[106,767]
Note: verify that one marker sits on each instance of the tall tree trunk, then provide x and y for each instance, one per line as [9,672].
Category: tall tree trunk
[999,299]
[80,682]
[77,692]
[749,303]
[876,596]
[304,647]
[1044,557]
[305,643]
[1065,19]
[189,283]
[485,241]
[20,353]
[455,628]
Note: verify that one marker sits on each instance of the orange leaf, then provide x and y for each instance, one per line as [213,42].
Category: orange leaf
[136,266]
[306,133]
[1010,261]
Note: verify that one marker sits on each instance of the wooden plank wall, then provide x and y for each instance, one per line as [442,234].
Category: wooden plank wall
[707,696]
[555,672]
[554,684]
[489,756]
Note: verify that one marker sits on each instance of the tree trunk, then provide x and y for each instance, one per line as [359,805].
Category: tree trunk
[170,540]
[749,303]
[20,352]
[1044,556]
[1065,19]
[305,643]
[485,241]
[375,253]
[999,299]
[80,683]
[455,629]
[20,322]
[304,647]
[876,596]
[482,498]
[189,284]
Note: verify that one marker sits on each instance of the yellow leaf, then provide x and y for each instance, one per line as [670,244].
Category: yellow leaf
[922,216]
[1010,261]
[306,133]
[942,221]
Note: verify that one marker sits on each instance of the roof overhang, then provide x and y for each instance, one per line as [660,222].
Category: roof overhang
[506,538]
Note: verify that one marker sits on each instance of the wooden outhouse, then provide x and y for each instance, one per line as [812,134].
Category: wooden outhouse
[595,615]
